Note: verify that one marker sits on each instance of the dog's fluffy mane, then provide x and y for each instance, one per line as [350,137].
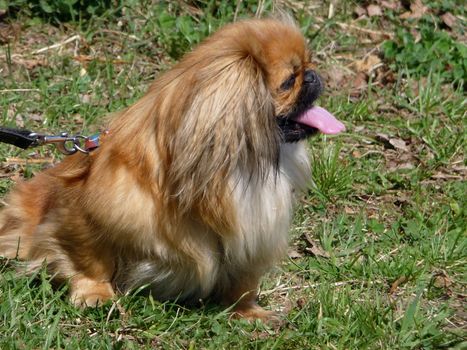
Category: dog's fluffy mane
[223,126]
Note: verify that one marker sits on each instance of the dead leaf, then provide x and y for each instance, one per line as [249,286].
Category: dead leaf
[384,138]
[287,306]
[401,200]
[417,36]
[83,72]
[449,19]
[442,280]
[367,64]
[392,5]
[255,335]
[405,15]
[375,37]
[9,32]
[294,254]
[399,144]
[85,98]
[78,119]
[397,283]
[315,248]
[19,121]
[386,76]
[36,117]
[317,251]
[334,77]
[387,108]
[359,128]
[29,64]
[359,83]
[417,10]
[391,142]
[406,157]
[393,166]
[360,11]
[349,210]
[406,166]
[374,10]
[301,303]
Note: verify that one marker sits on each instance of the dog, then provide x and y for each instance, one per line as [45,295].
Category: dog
[192,190]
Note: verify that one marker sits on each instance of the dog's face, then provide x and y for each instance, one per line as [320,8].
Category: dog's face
[295,94]
[310,90]
[294,86]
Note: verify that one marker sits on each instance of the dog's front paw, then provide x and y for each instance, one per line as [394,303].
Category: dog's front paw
[86,292]
[255,312]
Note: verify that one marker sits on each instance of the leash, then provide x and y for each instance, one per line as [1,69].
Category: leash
[65,143]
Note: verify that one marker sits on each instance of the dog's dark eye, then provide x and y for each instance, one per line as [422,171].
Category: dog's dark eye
[289,83]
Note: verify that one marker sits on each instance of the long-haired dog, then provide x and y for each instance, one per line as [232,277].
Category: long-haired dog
[192,190]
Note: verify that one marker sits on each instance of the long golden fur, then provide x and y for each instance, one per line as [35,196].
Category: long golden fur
[191,192]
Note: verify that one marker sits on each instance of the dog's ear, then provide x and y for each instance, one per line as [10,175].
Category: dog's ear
[216,121]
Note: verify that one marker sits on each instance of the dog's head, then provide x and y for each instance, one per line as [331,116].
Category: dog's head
[280,50]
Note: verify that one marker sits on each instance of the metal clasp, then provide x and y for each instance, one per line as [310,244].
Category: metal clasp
[65,144]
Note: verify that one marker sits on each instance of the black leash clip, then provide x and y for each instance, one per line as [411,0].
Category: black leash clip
[19,138]
[25,139]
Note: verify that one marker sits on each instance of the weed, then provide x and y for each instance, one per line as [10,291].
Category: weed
[59,10]
[331,177]
[434,51]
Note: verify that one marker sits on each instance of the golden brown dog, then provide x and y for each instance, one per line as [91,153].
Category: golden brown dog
[193,189]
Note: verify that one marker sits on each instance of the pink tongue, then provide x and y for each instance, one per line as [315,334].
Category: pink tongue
[321,119]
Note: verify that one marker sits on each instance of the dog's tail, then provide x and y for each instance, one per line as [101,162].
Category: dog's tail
[18,220]
[20,217]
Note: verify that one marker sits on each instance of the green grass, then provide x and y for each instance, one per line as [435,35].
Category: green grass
[378,242]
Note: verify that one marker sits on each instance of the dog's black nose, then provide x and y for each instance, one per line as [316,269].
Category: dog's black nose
[310,77]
